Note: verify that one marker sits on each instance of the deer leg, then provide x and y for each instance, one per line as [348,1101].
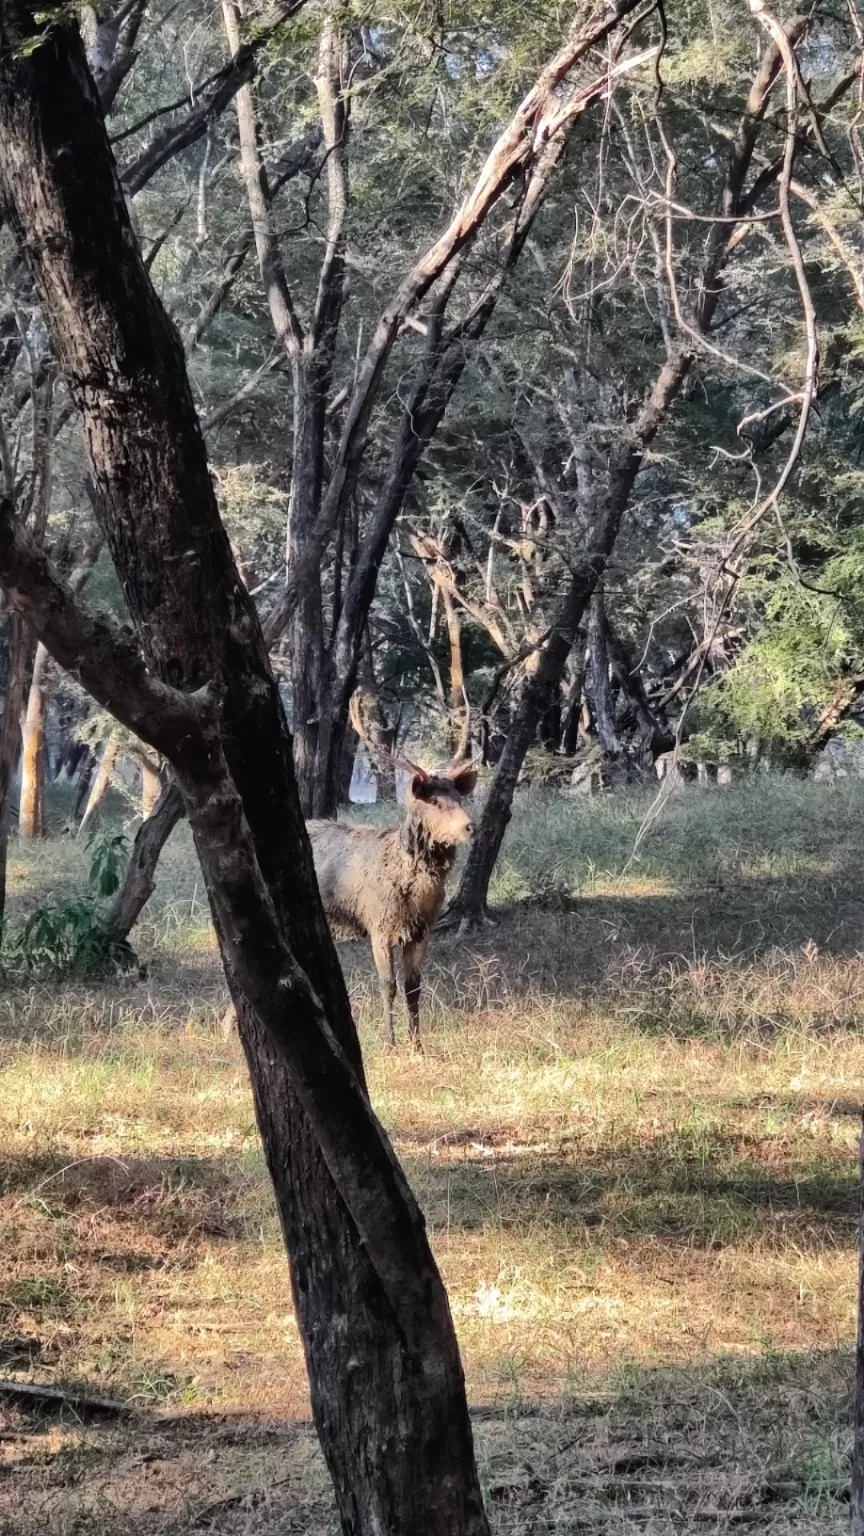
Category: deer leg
[413,956]
[382,953]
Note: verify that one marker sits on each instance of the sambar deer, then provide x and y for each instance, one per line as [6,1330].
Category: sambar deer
[390,883]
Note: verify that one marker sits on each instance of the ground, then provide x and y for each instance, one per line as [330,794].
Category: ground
[634,1134]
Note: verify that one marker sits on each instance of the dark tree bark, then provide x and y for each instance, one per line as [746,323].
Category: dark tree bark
[139,879]
[572,707]
[31,812]
[86,767]
[387,1386]
[20,651]
[600,684]
[654,736]
[469,903]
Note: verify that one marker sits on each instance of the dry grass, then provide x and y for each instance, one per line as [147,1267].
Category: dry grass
[633,1134]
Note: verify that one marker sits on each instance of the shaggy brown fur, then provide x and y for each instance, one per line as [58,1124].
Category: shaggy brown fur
[390,884]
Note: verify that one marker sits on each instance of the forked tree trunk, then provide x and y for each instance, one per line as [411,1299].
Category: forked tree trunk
[387,1387]
[31,812]
[626,460]
[20,648]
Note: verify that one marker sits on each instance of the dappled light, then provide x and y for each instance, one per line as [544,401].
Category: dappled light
[637,1164]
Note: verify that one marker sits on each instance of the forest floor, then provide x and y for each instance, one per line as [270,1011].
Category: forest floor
[634,1135]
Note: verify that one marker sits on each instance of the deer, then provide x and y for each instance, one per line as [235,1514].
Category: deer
[390,884]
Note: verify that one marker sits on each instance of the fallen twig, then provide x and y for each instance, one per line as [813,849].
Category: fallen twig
[30,1393]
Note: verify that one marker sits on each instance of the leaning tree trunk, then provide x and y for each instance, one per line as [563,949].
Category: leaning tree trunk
[387,1386]
[31,812]
[151,782]
[101,783]
[469,904]
[20,646]
[86,768]
[139,879]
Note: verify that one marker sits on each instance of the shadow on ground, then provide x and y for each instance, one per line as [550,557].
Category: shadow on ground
[736,1441]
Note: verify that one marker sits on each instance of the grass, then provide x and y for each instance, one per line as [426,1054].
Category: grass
[634,1136]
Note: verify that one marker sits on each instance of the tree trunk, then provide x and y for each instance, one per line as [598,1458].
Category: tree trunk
[387,1387]
[139,880]
[20,647]
[470,901]
[101,783]
[151,782]
[86,765]
[600,686]
[654,737]
[31,813]
[857,1500]
[572,709]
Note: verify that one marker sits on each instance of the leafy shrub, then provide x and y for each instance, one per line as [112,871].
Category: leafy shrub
[67,938]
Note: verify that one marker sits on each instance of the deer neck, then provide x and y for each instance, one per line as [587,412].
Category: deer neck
[421,849]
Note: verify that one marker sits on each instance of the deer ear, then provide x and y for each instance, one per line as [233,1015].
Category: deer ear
[463,777]
[419,786]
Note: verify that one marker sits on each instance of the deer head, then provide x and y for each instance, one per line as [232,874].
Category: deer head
[435,799]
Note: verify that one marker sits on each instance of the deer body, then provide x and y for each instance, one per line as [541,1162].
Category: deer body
[390,884]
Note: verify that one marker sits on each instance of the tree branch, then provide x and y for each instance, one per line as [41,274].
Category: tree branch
[211,99]
[104,659]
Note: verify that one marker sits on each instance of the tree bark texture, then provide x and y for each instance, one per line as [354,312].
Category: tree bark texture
[600,683]
[20,648]
[151,782]
[31,812]
[387,1385]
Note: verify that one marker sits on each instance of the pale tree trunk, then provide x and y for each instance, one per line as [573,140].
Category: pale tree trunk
[151,782]
[20,649]
[457,669]
[102,782]
[386,1381]
[31,812]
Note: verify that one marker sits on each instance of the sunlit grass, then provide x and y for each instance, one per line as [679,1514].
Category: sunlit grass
[633,1134]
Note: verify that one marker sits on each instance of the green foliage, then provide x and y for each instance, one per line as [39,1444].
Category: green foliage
[107,862]
[66,939]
